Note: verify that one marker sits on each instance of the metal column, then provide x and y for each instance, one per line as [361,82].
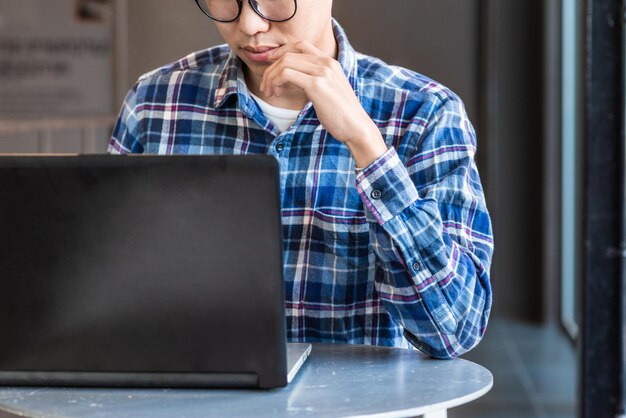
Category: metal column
[601,342]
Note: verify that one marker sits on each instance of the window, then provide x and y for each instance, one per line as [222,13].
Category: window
[572,129]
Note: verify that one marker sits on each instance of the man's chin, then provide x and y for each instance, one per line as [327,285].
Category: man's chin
[253,69]
[259,65]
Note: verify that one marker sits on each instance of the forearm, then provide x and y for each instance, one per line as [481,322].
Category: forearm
[436,286]
[443,300]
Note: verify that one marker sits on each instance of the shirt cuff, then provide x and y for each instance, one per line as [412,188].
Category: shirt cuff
[385,187]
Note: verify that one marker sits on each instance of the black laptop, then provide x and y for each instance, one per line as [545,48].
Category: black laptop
[142,271]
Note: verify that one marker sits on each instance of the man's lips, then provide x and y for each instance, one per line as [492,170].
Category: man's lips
[259,53]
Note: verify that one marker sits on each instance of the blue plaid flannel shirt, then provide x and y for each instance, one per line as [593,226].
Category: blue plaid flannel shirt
[397,254]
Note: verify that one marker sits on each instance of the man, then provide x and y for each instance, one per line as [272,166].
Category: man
[387,237]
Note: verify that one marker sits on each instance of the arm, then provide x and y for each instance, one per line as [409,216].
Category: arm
[433,244]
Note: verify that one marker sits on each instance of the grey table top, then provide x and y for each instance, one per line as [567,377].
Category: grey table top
[336,381]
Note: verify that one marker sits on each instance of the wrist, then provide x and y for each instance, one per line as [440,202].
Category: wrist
[366,147]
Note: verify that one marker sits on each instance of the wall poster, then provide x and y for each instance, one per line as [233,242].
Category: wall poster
[56,58]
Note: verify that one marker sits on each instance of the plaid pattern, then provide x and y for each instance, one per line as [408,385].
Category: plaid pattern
[396,255]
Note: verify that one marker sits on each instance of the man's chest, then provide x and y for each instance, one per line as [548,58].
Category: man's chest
[316,170]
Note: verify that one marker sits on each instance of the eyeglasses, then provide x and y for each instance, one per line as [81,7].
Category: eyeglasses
[229,10]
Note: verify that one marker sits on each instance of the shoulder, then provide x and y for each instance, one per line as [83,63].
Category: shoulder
[404,102]
[200,69]
[185,82]
[382,81]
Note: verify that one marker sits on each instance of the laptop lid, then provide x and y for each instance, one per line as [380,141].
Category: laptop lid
[142,270]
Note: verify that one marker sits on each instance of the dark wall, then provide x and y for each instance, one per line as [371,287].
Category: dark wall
[514,128]
[161,31]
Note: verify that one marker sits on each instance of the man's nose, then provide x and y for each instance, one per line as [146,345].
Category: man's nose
[250,23]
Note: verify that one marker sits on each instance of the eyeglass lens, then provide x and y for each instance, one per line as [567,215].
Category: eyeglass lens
[228,10]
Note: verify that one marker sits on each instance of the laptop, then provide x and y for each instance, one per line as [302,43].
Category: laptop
[143,271]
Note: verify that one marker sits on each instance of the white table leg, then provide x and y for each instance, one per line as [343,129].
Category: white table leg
[437,414]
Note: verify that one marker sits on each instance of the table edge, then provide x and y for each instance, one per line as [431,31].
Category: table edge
[421,410]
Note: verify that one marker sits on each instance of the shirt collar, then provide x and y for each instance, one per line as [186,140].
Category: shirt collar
[347,56]
[232,79]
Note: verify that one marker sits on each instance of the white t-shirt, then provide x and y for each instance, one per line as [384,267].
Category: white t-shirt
[281,118]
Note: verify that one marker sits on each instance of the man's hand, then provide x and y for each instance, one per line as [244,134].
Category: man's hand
[303,65]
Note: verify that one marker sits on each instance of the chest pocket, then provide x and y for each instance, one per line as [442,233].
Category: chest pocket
[338,215]
[338,221]
[335,227]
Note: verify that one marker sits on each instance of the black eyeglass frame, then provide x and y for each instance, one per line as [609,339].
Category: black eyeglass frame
[254,5]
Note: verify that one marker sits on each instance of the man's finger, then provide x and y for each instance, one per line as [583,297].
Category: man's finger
[297,62]
[294,77]
[272,78]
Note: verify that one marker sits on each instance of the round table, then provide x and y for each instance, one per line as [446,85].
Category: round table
[336,381]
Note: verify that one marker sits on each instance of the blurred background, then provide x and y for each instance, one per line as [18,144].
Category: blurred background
[519,66]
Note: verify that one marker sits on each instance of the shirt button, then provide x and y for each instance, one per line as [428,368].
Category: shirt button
[280,146]
[417,266]
[376,194]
